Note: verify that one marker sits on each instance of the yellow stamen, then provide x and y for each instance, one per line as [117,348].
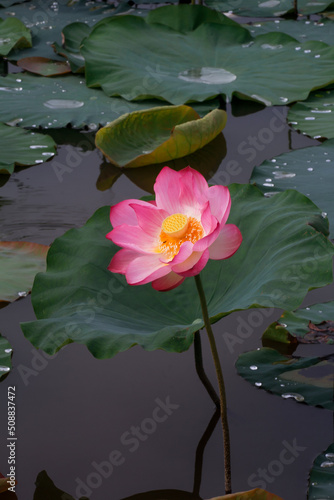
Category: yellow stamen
[175,230]
[175,225]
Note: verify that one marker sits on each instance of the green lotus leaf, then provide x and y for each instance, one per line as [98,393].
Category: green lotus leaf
[13,34]
[5,357]
[19,147]
[32,101]
[44,66]
[309,170]
[268,8]
[47,19]
[158,135]
[302,29]
[73,34]
[79,300]
[256,494]
[321,480]
[308,380]
[311,325]
[19,262]
[212,59]
[315,115]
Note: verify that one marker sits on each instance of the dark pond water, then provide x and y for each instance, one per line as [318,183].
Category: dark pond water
[75,413]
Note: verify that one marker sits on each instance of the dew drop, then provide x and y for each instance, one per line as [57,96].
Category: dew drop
[324,215]
[329,455]
[4,369]
[63,104]
[8,351]
[210,76]
[294,395]
[310,169]
[309,118]
[22,294]
[253,367]
[258,384]
[327,464]
[283,99]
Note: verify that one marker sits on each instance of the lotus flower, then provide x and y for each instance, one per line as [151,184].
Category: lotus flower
[167,240]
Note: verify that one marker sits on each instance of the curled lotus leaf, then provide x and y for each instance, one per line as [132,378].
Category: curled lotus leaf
[158,135]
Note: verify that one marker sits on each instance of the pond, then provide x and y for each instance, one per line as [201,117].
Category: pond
[141,425]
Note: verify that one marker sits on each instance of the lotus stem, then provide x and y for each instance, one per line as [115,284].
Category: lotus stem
[200,370]
[222,393]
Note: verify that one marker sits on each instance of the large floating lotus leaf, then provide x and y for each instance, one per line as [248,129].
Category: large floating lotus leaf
[315,116]
[19,147]
[79,300]
[308,170]
[5,361]
[47,19]
[19,262]
[268,8]
[212,59]
[158,135]
[13,34]
[44,66]
[8,3]
[312,325]
[321,482]
[303,30]
[308,380]
[256,494]
[32,101]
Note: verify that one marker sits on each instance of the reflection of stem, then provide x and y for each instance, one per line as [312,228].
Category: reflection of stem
[200,370]
[295,7]
[222,394]
[200,451]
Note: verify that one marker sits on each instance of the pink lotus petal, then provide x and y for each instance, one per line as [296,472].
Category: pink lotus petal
[133,237]
[208,221]
[120,261]
[205,242]
[123,213]
[146,268]
[187,263]
[227,243]
[168,282]
[220,202]
[185,251]
[197,266]
[150,218]
[167,190]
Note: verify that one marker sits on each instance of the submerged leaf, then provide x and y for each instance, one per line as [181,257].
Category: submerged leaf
[79,300]
[44,66]
[305,170]
[19,262]
[312,325]
[20,147]
[308,380]
[158,135]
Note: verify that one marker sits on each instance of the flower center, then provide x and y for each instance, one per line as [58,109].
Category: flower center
[175,226]
[175,230]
